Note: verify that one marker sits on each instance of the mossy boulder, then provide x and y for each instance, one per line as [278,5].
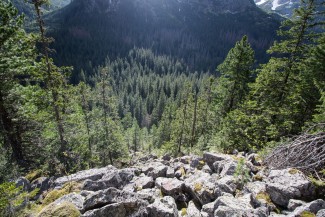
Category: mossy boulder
[31,176]
[65,209]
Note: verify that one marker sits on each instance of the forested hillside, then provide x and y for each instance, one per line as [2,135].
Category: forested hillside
[198,32]
[150,100]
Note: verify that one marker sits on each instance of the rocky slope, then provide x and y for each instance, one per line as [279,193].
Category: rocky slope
[190,186]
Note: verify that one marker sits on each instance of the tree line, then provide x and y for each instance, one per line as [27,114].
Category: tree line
[153,103]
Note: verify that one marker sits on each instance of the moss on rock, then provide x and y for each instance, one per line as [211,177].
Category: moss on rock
[65,209]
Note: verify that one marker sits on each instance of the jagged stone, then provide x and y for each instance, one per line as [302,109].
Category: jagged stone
[206,169]
[76,199]
[116,179]
[253,159]
[144,182]
[185,159]
[225,167]
[114,210]
[163,207]
[321,213]
[210,158]
[192,210]
[172,187]
[155,170]
[312,207]
[166,157]
[202,187]
[283,185]
[170,172]
[92,174]
[227,184]
[112,195]
[293,204]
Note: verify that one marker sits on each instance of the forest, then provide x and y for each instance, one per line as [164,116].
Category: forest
[153,103]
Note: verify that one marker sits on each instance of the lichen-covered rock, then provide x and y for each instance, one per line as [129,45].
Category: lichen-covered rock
[163,207]
[114,210]
[76,199]
[170,173]
[283,185]
[226,184]
[312,207]
[64,209]
[202,187]
[225,167]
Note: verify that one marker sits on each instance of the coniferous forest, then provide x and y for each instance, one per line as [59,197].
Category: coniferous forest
[147,102]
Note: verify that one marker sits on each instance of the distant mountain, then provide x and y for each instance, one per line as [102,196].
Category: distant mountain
[200,32]
[282,7]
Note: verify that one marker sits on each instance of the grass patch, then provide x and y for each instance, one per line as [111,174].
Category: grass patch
[183,212]
[56,194]
[264,196]
[197,187]
[31,176]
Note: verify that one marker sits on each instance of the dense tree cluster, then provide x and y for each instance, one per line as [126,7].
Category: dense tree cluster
[147,102]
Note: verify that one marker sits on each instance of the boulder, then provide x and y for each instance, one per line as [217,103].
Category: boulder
[283,185]
[226,184]
[172,187]
[170,172]
[112,195]
[166,157]
[76,199]
[321,213]
[185,159]
[116,179]
[225,167]
[202,187]
[210,158]
[115,209]
[254,159]
[92,174]
[144,182]
[23,183]
[192,210]
[155,170]
[64,209]
[163,207]
[312,207]
[293,204]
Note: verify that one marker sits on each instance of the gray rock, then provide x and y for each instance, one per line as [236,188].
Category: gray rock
[23,183]
[225,167]
[206,169]
[115,209]
[92,174]
[155,170]
[312,207]
[170,172]
[321,213]
[166,157]
[145,182]
[202,187]
[112,195]
[185,159]
[74,198]
[192,210]
[116,179]
[208,210]
[163,207]
[283,185]
[227,184]
[172,187]
[293,204]
[210,158]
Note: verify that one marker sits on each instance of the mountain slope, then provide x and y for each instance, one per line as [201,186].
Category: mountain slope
[199,32]
[282,7]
